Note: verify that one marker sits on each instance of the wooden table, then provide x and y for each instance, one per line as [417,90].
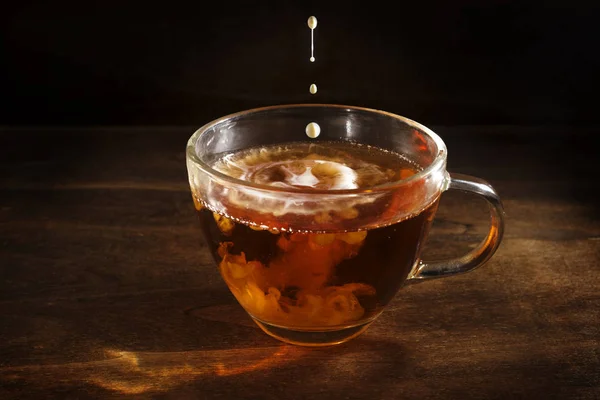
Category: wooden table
[107,290]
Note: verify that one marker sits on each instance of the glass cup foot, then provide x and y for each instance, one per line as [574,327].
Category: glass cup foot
[313,337]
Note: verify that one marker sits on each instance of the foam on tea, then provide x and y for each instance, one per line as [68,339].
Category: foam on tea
[303,166]
[323,166]
[326,166]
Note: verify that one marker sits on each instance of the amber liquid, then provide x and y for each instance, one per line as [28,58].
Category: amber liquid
[319,280]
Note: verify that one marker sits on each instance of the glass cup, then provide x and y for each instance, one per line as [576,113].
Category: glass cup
[316,267]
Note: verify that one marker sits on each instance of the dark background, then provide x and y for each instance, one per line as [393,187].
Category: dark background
[172,63]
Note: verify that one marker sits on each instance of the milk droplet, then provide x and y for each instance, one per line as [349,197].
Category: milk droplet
[312,89]
[312,24]
[313,130]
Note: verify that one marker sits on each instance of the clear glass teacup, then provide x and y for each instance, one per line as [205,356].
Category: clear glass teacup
[314,237]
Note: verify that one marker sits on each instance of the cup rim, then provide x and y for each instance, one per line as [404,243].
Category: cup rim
[438,162]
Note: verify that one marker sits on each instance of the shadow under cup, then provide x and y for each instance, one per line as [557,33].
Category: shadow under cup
[317,267]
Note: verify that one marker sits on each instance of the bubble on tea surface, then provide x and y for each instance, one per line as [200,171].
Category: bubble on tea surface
[312,22]
[312,89]
[313,130]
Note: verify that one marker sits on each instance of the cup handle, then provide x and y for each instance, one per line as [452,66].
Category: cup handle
[482,253]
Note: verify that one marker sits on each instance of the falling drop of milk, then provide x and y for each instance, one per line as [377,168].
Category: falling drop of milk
[313,130]
[312,89]
[312,24]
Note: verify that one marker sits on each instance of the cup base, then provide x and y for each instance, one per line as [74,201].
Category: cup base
[313,338]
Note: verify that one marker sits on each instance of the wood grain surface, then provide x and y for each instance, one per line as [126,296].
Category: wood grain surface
[107,290]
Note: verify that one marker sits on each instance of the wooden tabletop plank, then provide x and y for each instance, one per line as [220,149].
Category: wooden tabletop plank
[107,289]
